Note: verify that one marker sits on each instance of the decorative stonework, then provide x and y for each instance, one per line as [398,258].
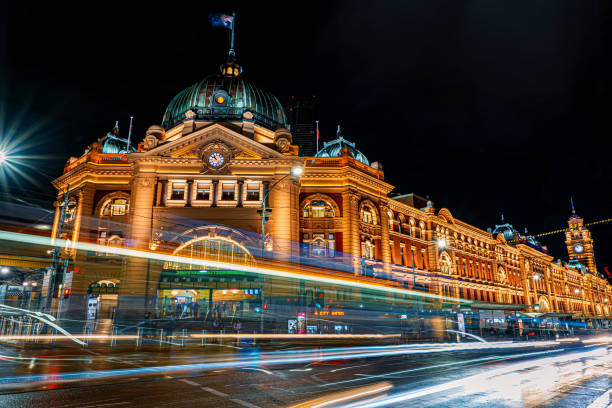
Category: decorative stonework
[216,152]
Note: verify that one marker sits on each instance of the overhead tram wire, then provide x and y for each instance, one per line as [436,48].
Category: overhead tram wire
[559,231]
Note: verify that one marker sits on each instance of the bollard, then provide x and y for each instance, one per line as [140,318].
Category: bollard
[221,339]
[204,338]
[183,337]
[161,337]
[138,337]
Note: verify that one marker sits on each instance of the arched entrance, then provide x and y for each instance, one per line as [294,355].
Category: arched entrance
[190,290]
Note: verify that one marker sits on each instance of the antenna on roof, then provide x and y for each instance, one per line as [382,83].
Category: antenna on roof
[338,131]
[502,218]
[127,148]
[572,204]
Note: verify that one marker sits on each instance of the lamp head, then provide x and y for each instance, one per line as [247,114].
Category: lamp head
[297,171]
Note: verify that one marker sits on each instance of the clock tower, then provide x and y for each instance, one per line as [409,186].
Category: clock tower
[579,242]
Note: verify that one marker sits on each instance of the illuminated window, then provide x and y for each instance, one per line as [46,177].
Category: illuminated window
[331,245]
[367,217]
[119,206]
[178,191]
[228,192]
[115,207]
[252,193]
[203,191]
[367,249]
[318,244]
[318,209]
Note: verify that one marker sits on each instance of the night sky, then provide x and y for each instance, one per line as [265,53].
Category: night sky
[488,107]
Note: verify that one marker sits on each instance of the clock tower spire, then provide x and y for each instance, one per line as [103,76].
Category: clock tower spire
[579,242]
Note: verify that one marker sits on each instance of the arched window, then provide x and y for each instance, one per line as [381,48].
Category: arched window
[318,209]
[369,215]
[390,220]
[115,207]
[216,248]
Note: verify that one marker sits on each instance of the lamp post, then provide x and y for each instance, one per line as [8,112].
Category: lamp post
[295,172]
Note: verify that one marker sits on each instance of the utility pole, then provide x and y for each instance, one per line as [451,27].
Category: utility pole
[58,267]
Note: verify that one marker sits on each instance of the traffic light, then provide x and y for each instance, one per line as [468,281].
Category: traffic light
[266,215]
[66,293]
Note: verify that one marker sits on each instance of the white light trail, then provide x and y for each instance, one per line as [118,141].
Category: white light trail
[85,246]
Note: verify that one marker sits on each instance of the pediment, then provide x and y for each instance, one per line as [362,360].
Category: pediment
[192,145]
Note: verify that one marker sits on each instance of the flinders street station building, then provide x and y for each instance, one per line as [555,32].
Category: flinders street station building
[222,180]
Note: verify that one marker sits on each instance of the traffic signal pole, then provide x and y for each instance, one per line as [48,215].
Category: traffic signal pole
[58,267]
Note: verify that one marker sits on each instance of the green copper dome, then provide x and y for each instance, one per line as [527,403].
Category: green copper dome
[334,149]
[226,97]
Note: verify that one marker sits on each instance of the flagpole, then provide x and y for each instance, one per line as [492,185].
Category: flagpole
[317,136]
[127,148]
[232,36]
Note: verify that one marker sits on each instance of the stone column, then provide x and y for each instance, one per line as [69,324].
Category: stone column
[189,193]
[549,294]
[85,230]
[56,218]
[164,193]
[283,221]
[525,280]
[214,187]
[240,193]
[384,234]
[139,280]
[350,231]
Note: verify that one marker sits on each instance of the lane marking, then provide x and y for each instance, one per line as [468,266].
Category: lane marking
[602,401]
[107,405]
[195,384]
[217,393]
[244,403]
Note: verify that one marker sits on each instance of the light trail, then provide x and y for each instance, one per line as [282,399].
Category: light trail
[344,396]
[290,336]
[85,246]
[599,356]
[76,336]
[456,363]
[255,361]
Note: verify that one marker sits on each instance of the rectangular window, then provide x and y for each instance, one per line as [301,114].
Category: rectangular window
[331,245]
[228,192]
[252,193]
[203,191]
[178,191]
[402,255]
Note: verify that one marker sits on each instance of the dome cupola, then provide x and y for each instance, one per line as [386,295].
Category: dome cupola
[226,97]
[338,146]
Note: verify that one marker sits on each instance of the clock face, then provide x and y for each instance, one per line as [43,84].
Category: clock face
[578,248]
[216,159]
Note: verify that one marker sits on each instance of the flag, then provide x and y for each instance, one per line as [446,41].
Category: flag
[221,20]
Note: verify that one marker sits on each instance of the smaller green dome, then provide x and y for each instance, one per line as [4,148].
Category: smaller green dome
[334,149]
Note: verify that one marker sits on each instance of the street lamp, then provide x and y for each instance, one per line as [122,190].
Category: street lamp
[4,270]
[2,157]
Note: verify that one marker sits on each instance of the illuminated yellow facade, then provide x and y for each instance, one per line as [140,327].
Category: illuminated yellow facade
[214,165]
